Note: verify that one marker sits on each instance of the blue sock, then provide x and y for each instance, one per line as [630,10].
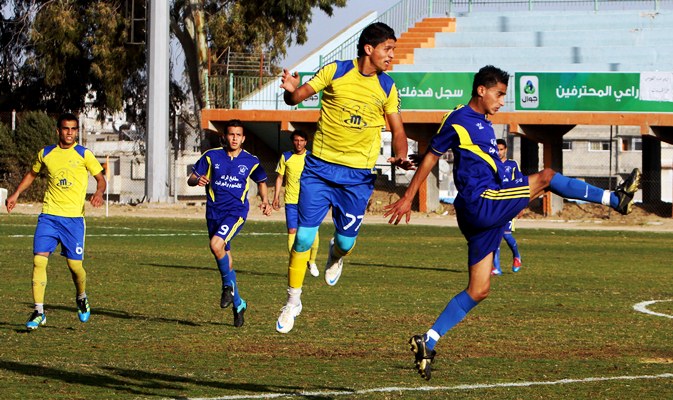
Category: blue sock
[232,283]
[455,311]
[511,242]
[576,189]
[496,259]
[223,266]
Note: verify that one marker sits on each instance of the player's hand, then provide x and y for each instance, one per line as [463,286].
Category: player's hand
[404,163]
[266,208]
[401,207]
[289,81]
[96,200]
[203,180]
[276,204]
[10,203]
[417,159]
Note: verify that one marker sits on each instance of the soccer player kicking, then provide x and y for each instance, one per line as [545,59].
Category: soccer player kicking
[67,166]
[225,173]
[513,171]
[487,197]
[290,167]
[358,99]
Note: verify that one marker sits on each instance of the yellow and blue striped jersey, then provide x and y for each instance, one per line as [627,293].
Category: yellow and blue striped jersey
[352,114]
[291,166]
[68,178]
[228,189]
[477,170]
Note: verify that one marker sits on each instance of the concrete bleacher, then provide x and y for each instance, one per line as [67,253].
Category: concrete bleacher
[624,41]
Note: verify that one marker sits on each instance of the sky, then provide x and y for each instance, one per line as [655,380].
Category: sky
[342,17]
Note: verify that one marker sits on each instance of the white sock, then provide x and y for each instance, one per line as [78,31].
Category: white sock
[606,197]
[39,307]
[294,296]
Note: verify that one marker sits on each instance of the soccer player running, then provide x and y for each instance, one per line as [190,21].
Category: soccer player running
[67,166]
[358,99]
[487,197]
[290,166]
[512,170]
[224,172]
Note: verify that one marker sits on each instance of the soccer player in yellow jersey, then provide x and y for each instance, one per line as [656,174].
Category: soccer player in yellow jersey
[358,99]
[67,166]
[290,167]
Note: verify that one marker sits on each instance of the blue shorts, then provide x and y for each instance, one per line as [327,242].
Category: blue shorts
[52,230]
[509,228]
[483,220]
[347,190]
[226,227]
[291,216]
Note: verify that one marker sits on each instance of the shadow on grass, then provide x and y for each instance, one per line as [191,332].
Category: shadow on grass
[125,315]
[214,268]
[138,382]
[410,267]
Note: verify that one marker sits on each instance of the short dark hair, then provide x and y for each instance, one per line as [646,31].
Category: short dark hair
[489,76]
[299,133]
[373,35]
[66,117]
[235,123]
[502,142]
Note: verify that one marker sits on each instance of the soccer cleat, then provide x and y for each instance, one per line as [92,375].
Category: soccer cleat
[238,313]
[227,296]
[424,357]
[83,309]
[496,271]
[333,267]
[288,313]
[626,190]
[516,264]
[35,320]
[313,269]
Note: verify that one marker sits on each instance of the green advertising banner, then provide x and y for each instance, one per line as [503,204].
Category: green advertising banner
[594,91]
[420,90]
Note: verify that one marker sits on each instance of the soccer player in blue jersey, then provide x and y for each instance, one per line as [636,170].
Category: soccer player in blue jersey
[224,173]
[67,166]
[358,99]
[289,169]
[511,169]
[487,197]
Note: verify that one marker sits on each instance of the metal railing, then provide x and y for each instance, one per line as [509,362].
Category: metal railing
[406,13]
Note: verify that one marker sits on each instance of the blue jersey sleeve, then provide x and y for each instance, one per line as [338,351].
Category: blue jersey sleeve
[445,138]
[258,174]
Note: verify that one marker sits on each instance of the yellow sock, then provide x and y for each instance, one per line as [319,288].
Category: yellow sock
[290,241]
[314,248]
[78,275]
[297,269]
[39,278]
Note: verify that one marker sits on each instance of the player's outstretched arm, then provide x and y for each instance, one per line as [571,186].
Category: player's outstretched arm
[23,185]
[402,207]
[294,92]
[276,193]
[101,184]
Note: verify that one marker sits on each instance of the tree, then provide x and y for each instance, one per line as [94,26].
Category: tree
[239,25]
[34,130]
[77,46]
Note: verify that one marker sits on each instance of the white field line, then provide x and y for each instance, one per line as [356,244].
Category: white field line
[436,388]
[155,234]
[642,307]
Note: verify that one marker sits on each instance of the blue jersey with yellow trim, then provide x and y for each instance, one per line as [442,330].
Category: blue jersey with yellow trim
[227,191]
[470,136]
[352,114]
[68,178]
[512,169]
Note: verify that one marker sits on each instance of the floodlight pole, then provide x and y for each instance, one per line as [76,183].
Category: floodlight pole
[157,151]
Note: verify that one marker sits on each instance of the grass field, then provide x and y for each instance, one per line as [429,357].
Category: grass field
[562,328]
